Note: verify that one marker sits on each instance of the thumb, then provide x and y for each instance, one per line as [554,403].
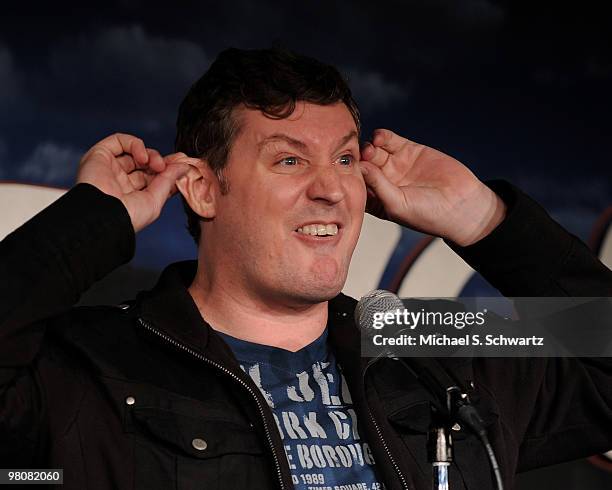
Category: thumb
[163,184]
[390,196]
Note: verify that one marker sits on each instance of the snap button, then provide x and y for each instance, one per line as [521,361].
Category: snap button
[199,444]
[130,400]
[456,427]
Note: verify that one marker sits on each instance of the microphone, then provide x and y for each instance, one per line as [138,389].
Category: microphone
[428,370]
[377,301]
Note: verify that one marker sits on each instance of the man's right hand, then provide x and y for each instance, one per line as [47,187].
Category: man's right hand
[121,166]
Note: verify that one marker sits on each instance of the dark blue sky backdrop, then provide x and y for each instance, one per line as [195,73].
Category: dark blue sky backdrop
[516,90]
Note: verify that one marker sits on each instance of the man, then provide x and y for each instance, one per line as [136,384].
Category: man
[246,372]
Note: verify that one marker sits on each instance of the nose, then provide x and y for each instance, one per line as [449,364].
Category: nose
[326,186]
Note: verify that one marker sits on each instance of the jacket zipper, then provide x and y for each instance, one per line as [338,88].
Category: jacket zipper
[231,375]
[380,436]
[384,443]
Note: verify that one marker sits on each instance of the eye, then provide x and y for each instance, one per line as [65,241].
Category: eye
[288,161]
[346,160]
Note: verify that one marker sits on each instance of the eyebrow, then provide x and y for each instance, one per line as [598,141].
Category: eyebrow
[346,139]
[300,144]
[282,137]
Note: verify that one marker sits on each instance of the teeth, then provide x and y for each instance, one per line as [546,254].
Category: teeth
[331,229]
[319,229]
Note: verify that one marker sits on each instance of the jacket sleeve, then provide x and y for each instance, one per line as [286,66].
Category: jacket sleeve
[553,409]
[530,254]
[45,266]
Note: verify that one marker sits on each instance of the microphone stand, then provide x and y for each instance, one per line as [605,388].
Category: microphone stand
[458,409]
[440,442]
[440,454]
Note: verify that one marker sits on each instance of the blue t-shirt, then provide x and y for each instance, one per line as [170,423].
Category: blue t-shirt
[314,413]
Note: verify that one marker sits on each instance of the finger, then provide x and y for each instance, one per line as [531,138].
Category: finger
[139,179]
[374,154]
[172,157]
[127,163]
[125,183]
[388,140]
[163,185]
[156,161]
[388,194]
[182,158]
[120,143]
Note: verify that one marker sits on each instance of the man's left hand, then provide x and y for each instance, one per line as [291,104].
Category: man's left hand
[424,189]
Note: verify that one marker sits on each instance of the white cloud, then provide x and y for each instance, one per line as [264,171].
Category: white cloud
[10,79]
[51,163]
[126,66]
[149,55]
[592,67]
[373,91]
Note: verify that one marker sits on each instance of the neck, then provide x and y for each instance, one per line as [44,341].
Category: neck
[232,310]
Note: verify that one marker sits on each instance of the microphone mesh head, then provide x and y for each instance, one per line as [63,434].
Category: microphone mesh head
[376,301]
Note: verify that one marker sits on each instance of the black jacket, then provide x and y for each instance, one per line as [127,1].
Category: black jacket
[115,395]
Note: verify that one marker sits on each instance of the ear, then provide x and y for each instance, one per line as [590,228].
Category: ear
[200,188]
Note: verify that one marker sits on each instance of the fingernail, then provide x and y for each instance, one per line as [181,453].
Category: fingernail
[364,170]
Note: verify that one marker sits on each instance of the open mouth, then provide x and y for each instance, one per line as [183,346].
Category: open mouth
[318,229]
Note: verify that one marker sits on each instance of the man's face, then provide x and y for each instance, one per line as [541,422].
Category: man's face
[288,226]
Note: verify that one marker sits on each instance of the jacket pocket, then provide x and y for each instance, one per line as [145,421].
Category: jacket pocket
[173,449]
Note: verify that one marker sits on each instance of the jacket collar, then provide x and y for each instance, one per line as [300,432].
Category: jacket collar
[170,308]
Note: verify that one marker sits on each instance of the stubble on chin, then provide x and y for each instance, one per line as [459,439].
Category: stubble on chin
[322,282]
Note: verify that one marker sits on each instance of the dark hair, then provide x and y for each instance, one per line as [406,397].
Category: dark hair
[270,80]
